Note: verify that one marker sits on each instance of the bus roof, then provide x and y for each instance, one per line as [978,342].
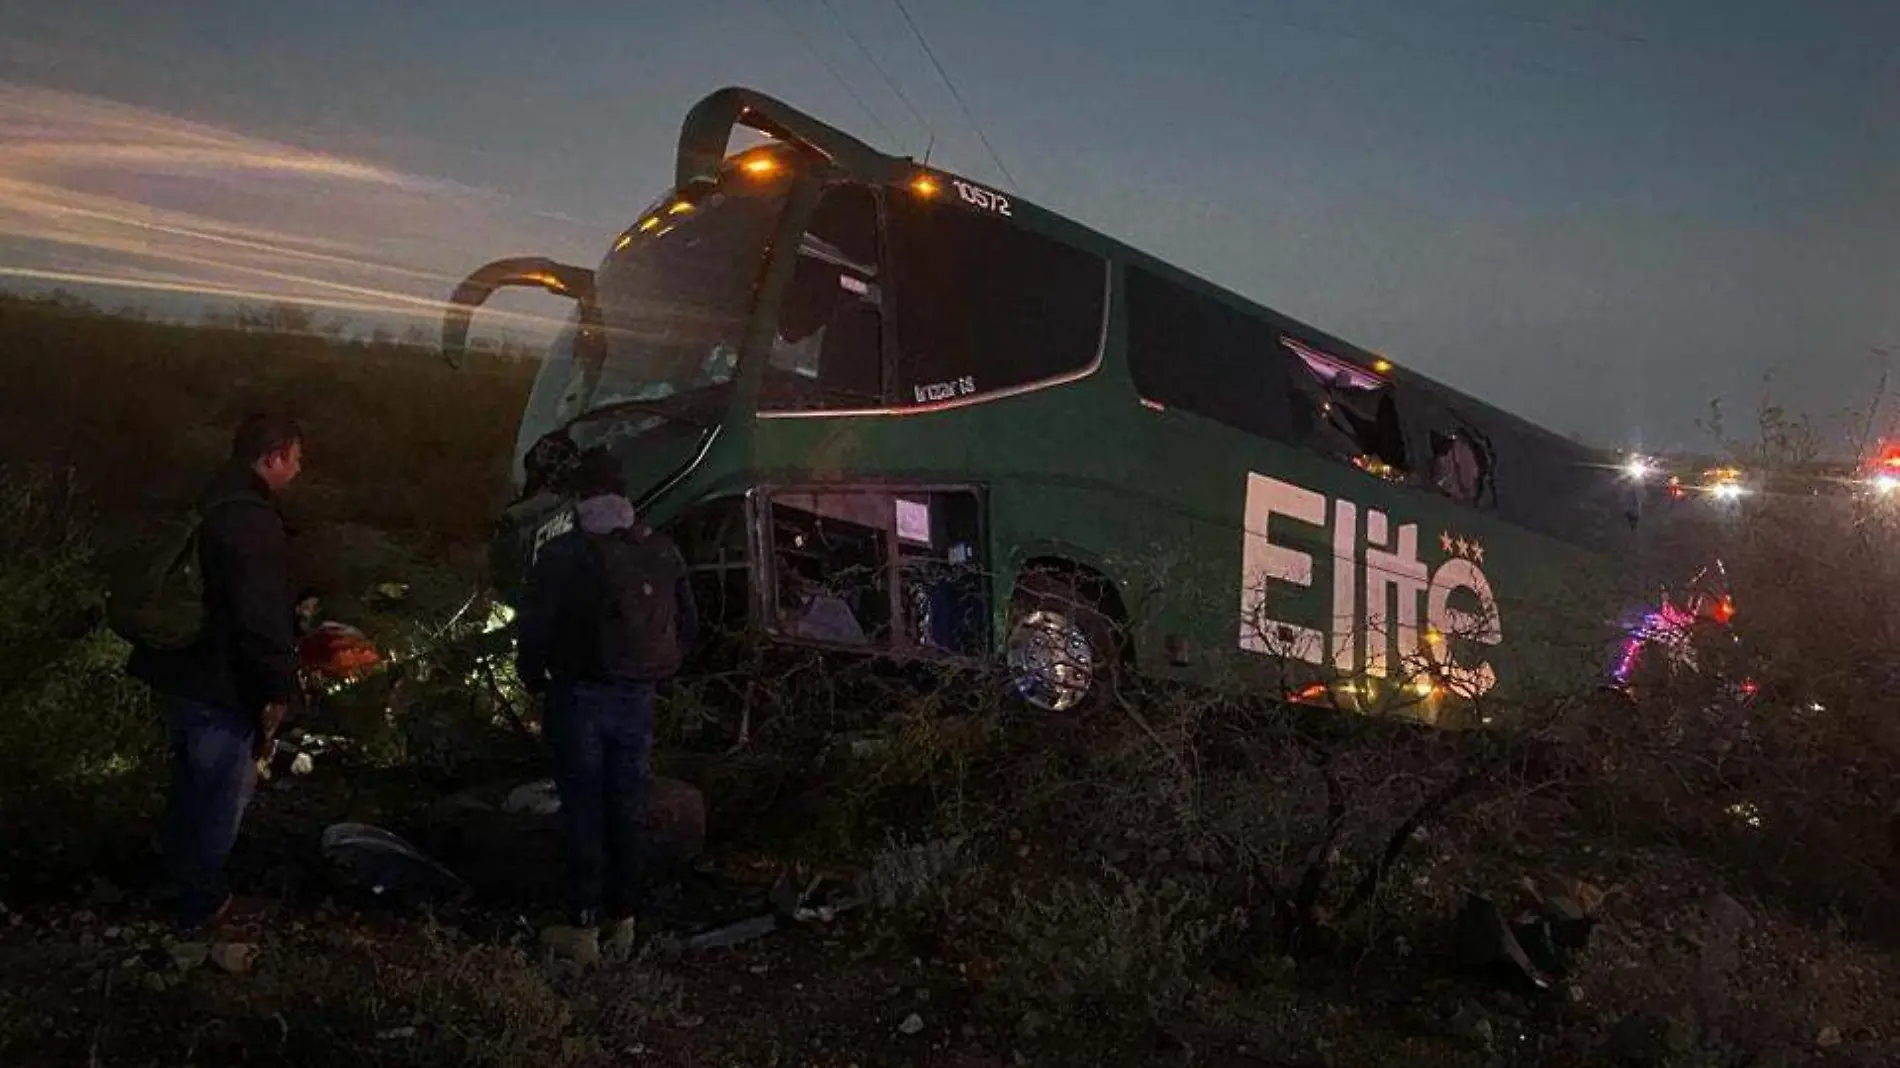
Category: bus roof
[706,134]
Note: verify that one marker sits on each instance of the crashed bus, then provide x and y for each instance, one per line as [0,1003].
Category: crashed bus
[886,408]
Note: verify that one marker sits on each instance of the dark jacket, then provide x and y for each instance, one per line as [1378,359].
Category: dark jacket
[559,633]
[247,655]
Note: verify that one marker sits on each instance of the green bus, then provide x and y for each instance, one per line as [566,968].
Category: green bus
[886,408]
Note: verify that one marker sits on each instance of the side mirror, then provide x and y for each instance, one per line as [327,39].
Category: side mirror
[561,279]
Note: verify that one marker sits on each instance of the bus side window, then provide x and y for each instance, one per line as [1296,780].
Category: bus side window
[1349,407]
[1460,469]
[985,305]
[827,352]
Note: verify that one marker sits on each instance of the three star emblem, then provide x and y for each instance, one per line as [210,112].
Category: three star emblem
[1454,545]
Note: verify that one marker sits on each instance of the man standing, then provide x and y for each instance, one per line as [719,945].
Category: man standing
[226,692]
[608,613]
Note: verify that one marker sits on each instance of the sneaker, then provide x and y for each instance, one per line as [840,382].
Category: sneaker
[205,926]
[578,944]
[619,937]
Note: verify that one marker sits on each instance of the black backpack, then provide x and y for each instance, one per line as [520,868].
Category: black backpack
[638,618]
[155,592]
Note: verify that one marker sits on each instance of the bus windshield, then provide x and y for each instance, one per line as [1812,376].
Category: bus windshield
[676,292]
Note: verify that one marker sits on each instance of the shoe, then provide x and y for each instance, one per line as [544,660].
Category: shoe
[619,934]
[198,929]
[578,944]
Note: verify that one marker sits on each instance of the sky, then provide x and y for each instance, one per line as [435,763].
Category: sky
[1600,216]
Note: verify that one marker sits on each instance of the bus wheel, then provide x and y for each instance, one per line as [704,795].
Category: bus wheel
[1062,650]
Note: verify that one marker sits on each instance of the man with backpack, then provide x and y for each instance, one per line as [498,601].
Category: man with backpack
[607,614]
[210,616]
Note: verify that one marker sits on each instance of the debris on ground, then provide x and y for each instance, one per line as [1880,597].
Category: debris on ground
[1530,954]
[371,858]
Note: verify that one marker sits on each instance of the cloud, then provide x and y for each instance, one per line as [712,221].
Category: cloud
[97,192]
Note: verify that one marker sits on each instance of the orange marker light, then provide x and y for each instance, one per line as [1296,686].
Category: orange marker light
[924,186]
[760,166]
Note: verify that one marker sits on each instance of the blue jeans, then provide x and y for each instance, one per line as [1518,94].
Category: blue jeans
[213,776]
[601,734]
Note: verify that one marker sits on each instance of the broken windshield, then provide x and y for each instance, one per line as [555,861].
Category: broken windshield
[675,295]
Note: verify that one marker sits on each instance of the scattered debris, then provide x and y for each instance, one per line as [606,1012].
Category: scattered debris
[1540,947]
[371,858]
[912,1024]
[1829,1038]
[735,933]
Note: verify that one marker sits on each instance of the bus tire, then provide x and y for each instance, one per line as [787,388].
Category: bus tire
[1062,651]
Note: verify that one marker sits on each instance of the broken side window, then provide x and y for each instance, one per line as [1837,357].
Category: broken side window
[827,352]
[1356,413]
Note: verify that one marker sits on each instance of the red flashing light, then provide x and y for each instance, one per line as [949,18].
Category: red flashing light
[1724,610]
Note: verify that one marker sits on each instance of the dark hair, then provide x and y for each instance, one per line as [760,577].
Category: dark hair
[597,473]
[259,436]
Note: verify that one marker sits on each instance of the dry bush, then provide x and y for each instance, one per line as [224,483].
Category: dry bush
[67,713]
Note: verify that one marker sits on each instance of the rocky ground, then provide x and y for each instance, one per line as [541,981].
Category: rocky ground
[1639,957]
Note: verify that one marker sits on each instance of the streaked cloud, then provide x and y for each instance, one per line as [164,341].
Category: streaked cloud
[99,193]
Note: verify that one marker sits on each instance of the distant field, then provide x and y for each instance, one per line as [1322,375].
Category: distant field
[407,457]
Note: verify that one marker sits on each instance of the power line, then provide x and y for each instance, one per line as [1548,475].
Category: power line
[948,84]
[837,75]
[879,67]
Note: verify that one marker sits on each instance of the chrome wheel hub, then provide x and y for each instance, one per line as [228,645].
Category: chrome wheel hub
[1051,660]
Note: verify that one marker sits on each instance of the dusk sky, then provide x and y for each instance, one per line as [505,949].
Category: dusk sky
[1599,216]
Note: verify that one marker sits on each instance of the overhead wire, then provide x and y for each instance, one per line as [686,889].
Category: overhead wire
[890,82]
[957,96]
[836,74]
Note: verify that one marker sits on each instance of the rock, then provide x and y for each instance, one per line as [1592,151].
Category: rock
[912,1024]
[234,957]
[540,798]
[1727,914]
[1828,1038]
[1565,909]
[188,955]
[1469,1025]
[674,821]
[1032,1024]
[155,982]
[1160,857]
[1590,898]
